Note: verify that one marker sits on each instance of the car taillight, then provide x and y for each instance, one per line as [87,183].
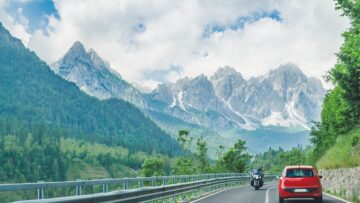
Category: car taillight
[282,185]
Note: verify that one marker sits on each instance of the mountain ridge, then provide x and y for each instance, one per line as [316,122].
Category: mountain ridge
[32,94]
[233,95]
[225,102]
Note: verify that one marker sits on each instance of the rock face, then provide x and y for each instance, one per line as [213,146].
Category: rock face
[94,76]
[344,182]
[283,97]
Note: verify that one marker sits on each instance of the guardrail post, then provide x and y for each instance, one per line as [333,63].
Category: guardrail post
[41,191]
[126,185]
[78,187]
[105,187]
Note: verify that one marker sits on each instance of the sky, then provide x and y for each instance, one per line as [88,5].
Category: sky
[157,41]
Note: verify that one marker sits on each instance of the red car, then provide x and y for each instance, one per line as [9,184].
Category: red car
[300,182]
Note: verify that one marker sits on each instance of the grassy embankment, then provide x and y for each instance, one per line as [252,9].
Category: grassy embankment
[344,154]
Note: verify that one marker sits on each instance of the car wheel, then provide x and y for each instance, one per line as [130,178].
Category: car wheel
[281,200]
[318,199]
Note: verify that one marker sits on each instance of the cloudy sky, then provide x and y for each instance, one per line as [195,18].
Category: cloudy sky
[161,40]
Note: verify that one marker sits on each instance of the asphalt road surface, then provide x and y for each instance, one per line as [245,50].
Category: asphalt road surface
[247,194]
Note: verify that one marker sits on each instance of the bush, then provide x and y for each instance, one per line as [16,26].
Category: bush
[355,141]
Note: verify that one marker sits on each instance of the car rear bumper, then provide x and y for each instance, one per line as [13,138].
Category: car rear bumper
[313,194]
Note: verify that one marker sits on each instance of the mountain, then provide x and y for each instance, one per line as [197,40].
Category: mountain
[284,97]
[32,94]
[271,110]
[94,76]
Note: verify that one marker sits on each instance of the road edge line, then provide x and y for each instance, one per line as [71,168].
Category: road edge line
[267,194]
[338,198]
[212,194]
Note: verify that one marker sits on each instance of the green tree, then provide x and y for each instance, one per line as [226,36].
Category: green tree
[346,73]
[236,158]
[296,156]
[333,122]
[184,139]
[219,166]
[184,166]
[153,166]
[202,156]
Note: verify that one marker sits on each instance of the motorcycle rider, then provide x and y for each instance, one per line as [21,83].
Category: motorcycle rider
[256,178]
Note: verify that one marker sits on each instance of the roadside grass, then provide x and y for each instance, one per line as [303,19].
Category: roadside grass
[344,154]
[342,195]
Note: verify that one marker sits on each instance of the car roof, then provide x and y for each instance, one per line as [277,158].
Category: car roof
[299,166]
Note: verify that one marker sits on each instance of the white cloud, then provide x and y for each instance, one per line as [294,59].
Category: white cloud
[308,35]
[16,28]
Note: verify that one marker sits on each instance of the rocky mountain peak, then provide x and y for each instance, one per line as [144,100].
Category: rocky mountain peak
[288,70]
[201,85]
[225,80]
[286,76]
[226,71]
[200,79]
[94,76]
[97,61]
[76,53]
[77,48]
[182,82]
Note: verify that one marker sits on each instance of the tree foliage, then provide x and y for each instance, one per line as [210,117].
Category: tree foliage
[346,73]
[275,160]
[184,140]
[236,158]
[184,166]
[153,166]
[41,153]
[202,156]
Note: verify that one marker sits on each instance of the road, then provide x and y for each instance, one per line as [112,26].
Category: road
[247,194]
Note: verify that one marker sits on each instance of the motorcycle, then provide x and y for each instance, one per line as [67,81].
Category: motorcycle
[256,180]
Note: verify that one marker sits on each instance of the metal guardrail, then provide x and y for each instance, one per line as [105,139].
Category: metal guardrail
[164,185]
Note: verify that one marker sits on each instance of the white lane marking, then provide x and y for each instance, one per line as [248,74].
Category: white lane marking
[338,198]
[267,195]
[215,194]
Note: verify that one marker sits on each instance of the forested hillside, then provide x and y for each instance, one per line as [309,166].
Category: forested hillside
[41,153]
[32,94]
[340,117]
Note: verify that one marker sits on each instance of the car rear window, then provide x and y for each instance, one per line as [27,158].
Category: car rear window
[299,172]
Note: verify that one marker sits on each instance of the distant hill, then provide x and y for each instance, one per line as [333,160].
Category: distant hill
[32,93]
